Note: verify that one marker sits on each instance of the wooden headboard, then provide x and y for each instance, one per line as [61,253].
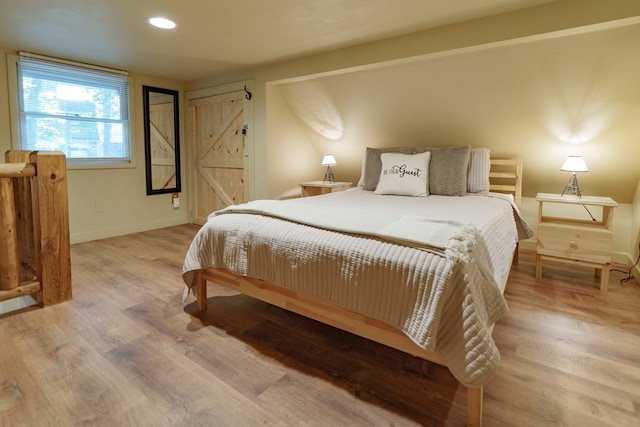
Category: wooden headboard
[505,176]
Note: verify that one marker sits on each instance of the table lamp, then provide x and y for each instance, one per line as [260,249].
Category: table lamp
[328,160]
[574,164]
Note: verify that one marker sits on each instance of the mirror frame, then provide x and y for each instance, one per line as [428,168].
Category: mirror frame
[146,93]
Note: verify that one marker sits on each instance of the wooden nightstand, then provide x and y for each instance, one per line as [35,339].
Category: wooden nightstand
[315,188]
[572,239]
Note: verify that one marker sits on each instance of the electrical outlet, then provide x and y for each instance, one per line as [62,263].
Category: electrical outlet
[175,199]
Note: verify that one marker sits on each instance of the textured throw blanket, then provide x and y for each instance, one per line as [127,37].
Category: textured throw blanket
[416,231]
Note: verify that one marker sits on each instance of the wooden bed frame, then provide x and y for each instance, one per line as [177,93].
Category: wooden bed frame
[505,176]
[34,227]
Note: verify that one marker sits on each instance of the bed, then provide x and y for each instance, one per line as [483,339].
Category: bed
[415,257]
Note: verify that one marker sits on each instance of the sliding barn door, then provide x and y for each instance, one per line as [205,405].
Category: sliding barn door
[220,175]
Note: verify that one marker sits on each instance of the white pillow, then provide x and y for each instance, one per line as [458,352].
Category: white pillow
[478,173]
[404,174]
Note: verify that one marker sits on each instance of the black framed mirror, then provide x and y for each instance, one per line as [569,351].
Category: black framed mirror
[161,140]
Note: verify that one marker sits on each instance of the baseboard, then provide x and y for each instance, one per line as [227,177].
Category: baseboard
[635,272]
[635,269]
[529,245]
[620,258]
[127,229]
[16,303]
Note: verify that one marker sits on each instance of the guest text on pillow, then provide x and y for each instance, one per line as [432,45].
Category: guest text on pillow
[404,174]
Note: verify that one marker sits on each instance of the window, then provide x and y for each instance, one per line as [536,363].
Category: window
[83,112]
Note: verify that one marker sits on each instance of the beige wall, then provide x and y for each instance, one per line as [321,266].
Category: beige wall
[580,84]
[525,100]
[532,99]
[518,83]
[122,191]
[524,84]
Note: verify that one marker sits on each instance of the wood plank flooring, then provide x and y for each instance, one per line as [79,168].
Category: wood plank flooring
[126,351]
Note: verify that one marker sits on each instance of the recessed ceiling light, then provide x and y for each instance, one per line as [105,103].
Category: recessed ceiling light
[160,22]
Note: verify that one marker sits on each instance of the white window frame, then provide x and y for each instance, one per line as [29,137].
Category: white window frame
[72,163]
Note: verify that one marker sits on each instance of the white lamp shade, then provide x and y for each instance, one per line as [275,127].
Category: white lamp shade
[574,164]
[328,160]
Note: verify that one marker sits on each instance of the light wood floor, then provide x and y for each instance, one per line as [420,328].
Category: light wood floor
[127,351]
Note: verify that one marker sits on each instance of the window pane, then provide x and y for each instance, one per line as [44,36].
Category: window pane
[78,111]
[76,138]
[54,97]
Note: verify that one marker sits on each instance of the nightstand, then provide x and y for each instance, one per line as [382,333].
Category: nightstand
[581,234]
[315,188]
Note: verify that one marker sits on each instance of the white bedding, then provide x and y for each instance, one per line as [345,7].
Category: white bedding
[410,230]
[445,300]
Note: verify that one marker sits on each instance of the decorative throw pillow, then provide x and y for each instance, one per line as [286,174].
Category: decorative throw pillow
[478,173]
[404,174]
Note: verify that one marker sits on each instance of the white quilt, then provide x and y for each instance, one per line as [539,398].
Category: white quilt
[445,299]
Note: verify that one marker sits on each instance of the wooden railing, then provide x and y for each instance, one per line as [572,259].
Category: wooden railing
[34,227]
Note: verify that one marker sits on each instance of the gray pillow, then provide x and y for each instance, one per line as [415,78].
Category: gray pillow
[448,169]
[373,164]
[478,173]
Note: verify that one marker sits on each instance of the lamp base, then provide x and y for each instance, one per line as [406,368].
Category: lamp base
[572,186]
[328,176]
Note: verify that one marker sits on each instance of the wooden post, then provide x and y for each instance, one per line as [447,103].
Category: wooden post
[474,407]
[9,255]
[27,241]
[201,291]
[53,211]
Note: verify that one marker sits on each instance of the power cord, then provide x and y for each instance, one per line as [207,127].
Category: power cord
[628,273]
[589,212]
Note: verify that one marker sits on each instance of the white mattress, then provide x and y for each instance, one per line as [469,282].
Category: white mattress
[445,302]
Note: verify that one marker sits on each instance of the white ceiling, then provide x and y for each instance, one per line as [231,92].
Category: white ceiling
[218,36]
